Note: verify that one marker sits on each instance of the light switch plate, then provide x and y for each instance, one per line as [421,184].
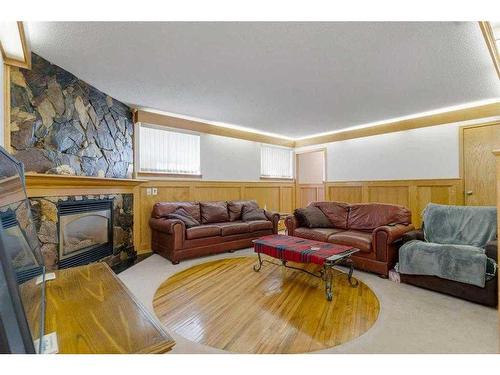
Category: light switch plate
[154,191]
[148,191]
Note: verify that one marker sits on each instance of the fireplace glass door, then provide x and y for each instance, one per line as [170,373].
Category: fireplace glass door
[83,231]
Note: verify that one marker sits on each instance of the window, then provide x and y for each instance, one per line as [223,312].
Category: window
[276,162]
[167,151]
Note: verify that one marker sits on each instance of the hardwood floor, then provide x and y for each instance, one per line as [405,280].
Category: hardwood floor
[226,305]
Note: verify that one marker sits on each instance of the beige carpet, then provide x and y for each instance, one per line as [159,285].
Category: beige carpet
[411,320]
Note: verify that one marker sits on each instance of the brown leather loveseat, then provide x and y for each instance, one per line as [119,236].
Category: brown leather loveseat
[221,228]
[374,228]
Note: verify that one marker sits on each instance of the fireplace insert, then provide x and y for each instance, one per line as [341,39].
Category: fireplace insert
[85,231]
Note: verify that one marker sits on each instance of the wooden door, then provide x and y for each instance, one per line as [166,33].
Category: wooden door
[479,164]
[311,173]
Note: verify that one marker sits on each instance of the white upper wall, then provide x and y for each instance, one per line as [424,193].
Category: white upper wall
[425,153]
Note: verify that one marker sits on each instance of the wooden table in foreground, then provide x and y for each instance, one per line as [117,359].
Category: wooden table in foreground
[93,312]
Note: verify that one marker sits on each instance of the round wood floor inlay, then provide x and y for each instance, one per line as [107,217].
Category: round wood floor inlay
[226,305]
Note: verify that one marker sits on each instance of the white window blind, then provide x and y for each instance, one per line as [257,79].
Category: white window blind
[167,151]
[276,162]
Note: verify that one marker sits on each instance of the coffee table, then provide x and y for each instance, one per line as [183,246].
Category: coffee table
[300,250]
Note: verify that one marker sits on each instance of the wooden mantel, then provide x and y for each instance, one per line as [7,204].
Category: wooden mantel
[46,185]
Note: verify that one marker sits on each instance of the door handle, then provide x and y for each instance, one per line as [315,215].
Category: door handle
[469,192]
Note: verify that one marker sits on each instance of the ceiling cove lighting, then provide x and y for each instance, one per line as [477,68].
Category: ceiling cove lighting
[491,33]
[408,117]
[217,123]
[13,44]
[361,126]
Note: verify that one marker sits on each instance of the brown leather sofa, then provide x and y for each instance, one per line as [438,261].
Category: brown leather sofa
[374,228]
[486,296]
[221,229]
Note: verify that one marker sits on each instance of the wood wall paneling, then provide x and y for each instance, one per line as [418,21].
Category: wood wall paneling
[287,199]
[307,193]
[414,194]
[348,194]
[399,195]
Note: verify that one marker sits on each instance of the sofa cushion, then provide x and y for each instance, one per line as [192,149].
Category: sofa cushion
[214,212]
[312,217]
[182,215]
[316,234]
[355,238]
[233,227]
[161,209]
[203,231]
[250,213]
[235,207]
[257,225]
[336,212]
[368,216]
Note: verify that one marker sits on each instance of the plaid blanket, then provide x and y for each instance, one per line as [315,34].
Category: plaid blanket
[297,249]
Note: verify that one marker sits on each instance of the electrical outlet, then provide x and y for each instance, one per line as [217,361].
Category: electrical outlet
[154,191]
[148,191]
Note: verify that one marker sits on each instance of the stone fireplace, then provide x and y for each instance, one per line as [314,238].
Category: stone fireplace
[85,231]
[79,229]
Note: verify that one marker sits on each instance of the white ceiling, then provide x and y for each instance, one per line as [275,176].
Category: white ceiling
[292,79]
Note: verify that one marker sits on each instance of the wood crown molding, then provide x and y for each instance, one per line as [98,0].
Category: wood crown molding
[465,114]
[458,115]
[26,62]
[489,38]
[202,127]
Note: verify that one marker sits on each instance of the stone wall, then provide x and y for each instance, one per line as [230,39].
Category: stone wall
[45,216]
[62,125]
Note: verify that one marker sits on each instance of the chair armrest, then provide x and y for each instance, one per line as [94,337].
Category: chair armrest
[169,226]
[393,233]
[274,217]
[491,250]
[291,224]
[417,234]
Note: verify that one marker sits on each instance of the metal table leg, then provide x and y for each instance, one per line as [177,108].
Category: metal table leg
[328,282]
[349,262]
[257,267]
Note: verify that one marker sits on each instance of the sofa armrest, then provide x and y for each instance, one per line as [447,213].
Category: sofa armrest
[386,240]
[393,232]
[291,224]
[274,217]
[168,226]
[491,249]
[417,234]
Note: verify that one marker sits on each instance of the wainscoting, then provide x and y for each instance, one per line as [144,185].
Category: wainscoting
[307,193]
[276,196]
[414,194]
